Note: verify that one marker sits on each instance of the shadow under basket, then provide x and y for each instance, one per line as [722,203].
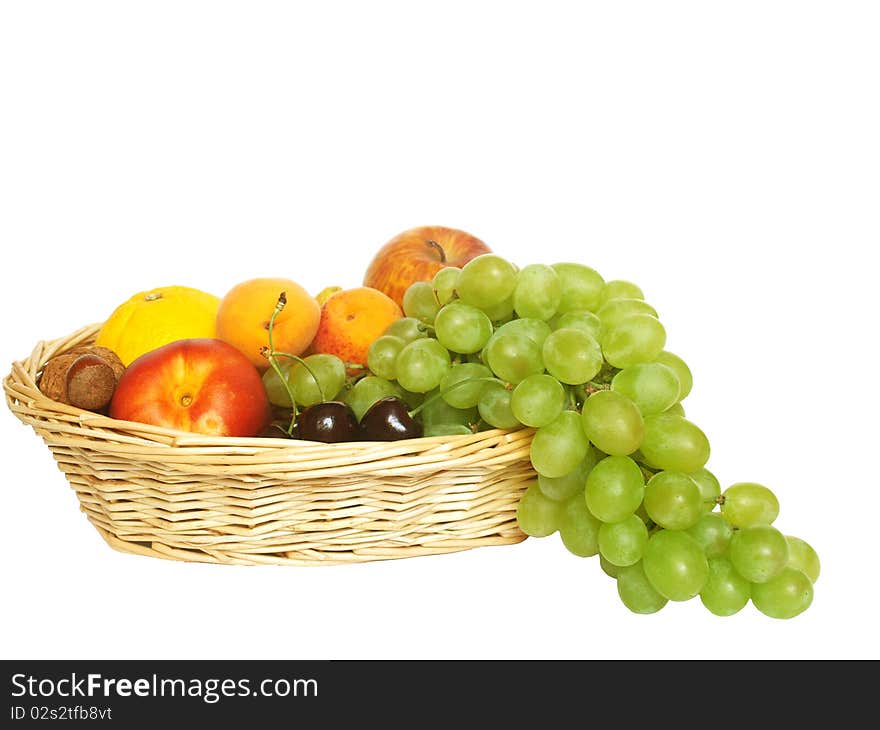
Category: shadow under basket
[182,496]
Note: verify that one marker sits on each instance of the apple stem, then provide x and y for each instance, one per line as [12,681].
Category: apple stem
[433,244]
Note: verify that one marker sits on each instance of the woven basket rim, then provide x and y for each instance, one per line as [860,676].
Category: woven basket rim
[31,406]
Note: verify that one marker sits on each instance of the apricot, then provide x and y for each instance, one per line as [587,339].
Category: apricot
[351,319]
[244,314]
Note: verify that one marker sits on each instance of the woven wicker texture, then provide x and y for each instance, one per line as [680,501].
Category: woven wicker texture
[182,496]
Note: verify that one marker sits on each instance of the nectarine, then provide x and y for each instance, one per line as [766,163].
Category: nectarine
[202,385]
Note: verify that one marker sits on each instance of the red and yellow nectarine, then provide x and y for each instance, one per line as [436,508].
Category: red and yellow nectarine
[201,385]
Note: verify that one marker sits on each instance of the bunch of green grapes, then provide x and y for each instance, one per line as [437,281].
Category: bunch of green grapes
[621,472]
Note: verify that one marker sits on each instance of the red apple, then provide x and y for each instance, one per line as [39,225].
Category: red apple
[202,385]
[417,254]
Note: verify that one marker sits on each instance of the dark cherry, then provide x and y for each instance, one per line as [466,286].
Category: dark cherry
[388,419]
[330,422]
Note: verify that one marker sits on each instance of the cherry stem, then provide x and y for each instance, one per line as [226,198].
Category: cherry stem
[433,399]
[433,244]
[272,355]
[306,366]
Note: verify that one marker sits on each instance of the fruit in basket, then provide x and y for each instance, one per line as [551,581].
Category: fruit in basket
[310,380]
[243,318]
[417,254]
[325,293]
[389,420]
[350,320]
[330,422]
[155,317]
[202,385]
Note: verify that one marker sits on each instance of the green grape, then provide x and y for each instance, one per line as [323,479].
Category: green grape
[675,565]
[318,378]
[613,311]
[802,557]
[578,529]
[463,385]
[610,569]
[328,369]
[494,407]
[713,534]
[536,515]
[709,486]
[572,356]
[726,592]
[623,543]
[513,357]
[367,391]
[437,412]
[500,313]
[615,488]
[653,387]
[571,484]
[680,368]
[613,423]
[783,596]
[537,400]
[422,364]
[538,292]
[420,302]
[560,446]
[643,515]
[486,281]
[673,443]
[578,319]
[444,283]
[535,329]
[581,287]
[412,400]
[407,329]
[758,553]
[446,429]
[274,384]
[634,339]
[746,504]
[382,356]
[619,289]
[673,500]
[676,409]
[462,328]
[636,591]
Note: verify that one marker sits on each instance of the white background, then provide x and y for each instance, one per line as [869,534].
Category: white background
[724,156]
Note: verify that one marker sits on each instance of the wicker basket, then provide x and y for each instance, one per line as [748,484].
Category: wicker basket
[181,496]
